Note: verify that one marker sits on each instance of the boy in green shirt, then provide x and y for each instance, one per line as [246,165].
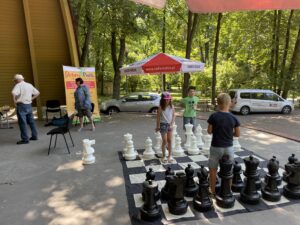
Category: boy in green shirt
[190,105]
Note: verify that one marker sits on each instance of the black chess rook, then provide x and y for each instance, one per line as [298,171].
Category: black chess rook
[249,193]
[237,182]
[292,189]
[201,201]
[271,192]
[150,211]
[190,189]
[224,197]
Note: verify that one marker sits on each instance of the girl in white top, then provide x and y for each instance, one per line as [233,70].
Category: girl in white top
[164,124]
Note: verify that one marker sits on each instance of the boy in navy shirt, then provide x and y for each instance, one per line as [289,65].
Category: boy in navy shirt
[223,126]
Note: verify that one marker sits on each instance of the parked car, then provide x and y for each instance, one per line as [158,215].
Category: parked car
[134,102]
[245,101]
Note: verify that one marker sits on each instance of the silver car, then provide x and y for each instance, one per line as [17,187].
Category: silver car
[134,102]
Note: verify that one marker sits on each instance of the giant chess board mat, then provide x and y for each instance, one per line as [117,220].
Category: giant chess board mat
[135,174]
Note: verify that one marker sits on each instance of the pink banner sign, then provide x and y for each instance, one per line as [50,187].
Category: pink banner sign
[159,4]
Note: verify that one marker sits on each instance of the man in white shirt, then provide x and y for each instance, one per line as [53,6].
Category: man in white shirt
[23,94]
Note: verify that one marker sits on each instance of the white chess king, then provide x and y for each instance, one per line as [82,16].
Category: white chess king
[88,151]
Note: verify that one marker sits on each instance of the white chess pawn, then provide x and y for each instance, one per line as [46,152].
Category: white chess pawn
[178,151]
[88,151]
[127,137]
[193,149]
[174,134]
[207,144]
[157,146]
[198,135]
[148,153]
[130,154]
[236,145]
[188,133]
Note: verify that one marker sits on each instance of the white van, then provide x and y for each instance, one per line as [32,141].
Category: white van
[254,100]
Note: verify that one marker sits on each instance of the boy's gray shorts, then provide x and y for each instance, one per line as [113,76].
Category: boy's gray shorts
[216,153]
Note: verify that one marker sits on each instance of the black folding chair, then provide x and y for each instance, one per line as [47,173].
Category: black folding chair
[61,130]
[52,106]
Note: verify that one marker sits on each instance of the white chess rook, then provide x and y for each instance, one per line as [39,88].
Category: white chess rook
[149,152]
[198,135]
[130,154]
[188,133]
[88,151]
[236,145]
[174,133]
[207,144]
[193,149]
[178,151]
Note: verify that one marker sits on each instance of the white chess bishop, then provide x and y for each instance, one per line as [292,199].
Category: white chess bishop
[178,151]
[236,145]
[198,135]
[149,152]
[207,144]
[193,149]
[88,151]
[188,133]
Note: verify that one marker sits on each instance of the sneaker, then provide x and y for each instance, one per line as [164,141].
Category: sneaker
[171,160]
[22,142]
[33,139]
[80,129]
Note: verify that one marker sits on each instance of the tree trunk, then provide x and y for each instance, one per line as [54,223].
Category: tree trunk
[295,59]
[87,36]
[277,35]
[284,57]
[215,59]
[117,62]
[163,46]
[273,49]
[193,20]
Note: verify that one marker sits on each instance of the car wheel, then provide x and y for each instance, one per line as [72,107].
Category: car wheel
[286,110]
[153,110]
[245,110]
[112,110]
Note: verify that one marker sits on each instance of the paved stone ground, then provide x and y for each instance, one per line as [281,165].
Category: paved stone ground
[36,189]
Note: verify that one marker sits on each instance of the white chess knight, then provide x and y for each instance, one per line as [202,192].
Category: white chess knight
[207,144]
[188,133]
[198,135]
[236,145]
[178,151]
[174,134]
[193,149]
[88,151]
[149,152]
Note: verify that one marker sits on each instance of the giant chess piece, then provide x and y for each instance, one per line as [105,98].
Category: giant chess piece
[201,201]
[150,175]
[236,145]
[165,190]
[88,151]
[237,182]
[198,135]
[178,151]
[291,160]
[150,211]
[130,154]
[177,204]
[271,192]
[148,153]
[127,137]
[278,179]
[188,134]
[224,197]
[193,149]
[292,189]
[174,134]
[190,189]
[158,144]
[249,193]
[207,144]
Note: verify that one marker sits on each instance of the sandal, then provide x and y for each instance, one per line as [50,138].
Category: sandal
[164,160]
[171,160]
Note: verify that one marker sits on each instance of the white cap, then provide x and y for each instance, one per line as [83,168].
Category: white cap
[18,77]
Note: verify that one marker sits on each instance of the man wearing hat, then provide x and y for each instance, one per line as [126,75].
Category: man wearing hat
[23,94]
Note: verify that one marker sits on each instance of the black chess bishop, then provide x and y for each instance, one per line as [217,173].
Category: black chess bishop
[190,188]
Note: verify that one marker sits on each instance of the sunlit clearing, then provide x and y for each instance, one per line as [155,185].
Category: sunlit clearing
[114,182]
[77,166]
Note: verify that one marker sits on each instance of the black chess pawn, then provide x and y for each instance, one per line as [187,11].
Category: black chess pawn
[150,175]
[201,201]
[150,211]
[237,182]
[190,189]
[291,160]
[165,190]
[292,189]
[177,204]
[278,179]
[249,193]
[271,192]
[224,197]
